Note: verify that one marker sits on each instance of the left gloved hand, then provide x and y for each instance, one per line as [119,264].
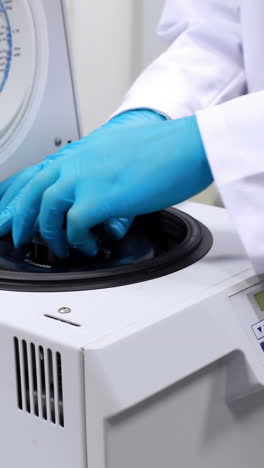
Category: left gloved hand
[13,188]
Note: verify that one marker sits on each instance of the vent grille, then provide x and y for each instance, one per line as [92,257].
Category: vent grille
[39,381]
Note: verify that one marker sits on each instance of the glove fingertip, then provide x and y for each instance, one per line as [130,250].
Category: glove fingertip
[61,252]
[16,240]
[118,227]
[117,233]
[5,223]
[19,237]
[59,249]
[88,247]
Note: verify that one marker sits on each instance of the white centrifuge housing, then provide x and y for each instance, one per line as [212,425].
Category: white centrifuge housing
[160,373]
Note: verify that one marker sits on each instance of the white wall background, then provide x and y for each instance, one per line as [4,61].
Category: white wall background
[112,42]
[103,55]
[151,45]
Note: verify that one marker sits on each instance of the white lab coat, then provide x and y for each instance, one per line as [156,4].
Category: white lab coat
[215,55]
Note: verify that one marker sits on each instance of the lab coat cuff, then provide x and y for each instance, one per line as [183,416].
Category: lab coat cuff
[168,109]
[124,108]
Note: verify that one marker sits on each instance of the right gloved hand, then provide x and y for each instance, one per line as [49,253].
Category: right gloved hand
[112,174]
[13,188]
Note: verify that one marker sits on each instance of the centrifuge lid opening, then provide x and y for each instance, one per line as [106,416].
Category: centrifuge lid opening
[157,244]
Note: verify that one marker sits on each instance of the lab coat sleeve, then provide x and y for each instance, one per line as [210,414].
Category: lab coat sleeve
[201,70]
[203,64]
[233,136]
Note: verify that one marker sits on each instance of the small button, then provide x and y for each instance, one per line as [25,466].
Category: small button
[58,141]
[64,310]
[258,330]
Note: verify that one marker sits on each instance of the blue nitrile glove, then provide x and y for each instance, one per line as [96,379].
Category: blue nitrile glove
[112,173]
[12,189]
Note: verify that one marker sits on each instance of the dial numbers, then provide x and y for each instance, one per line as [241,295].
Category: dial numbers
[6,46]
[18,47]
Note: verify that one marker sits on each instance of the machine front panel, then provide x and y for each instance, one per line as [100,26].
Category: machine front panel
[41,402]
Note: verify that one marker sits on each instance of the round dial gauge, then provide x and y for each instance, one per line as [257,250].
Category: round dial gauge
[17,63]
[5,47]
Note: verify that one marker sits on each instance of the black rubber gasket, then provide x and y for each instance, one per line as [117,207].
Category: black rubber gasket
[182,241]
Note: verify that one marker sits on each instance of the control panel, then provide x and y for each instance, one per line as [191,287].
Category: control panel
[249,309]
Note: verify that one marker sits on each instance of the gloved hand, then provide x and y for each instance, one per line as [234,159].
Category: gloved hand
[13,188]
[112,173]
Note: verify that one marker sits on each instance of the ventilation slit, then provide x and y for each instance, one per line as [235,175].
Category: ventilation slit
[51,387]
[60,389]
[30,379]
[56,389]
[34,379]
[39,381]
[38,375]
[26,375]
[47,380]
[43,382]
[18,375]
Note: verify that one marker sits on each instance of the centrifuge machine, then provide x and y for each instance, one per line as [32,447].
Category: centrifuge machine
[150,355]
